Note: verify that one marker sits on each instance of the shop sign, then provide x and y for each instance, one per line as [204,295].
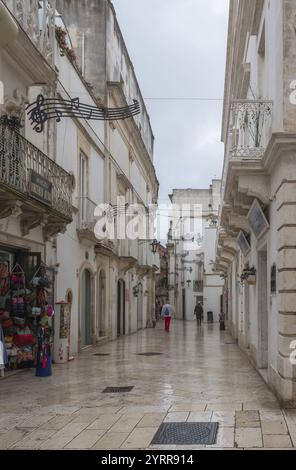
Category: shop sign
[40,188]
[243,243]
[257,220]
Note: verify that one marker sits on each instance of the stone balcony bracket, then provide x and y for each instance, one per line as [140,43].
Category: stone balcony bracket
[255,186]
[143,270]
[126,263]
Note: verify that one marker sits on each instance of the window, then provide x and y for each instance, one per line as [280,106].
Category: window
[261,64]
[83,185]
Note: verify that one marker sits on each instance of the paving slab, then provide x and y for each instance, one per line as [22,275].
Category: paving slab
[248,438]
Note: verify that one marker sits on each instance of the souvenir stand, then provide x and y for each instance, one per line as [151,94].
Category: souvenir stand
[3,352]
[25,317]
[43,312]
[62,332]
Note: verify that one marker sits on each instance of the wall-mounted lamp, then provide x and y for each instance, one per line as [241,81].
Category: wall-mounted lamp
[154,245]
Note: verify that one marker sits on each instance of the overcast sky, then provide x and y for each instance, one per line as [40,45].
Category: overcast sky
[178,48]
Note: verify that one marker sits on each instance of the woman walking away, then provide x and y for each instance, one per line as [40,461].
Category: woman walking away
[167,313]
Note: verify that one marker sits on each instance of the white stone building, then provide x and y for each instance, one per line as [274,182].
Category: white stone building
[191,247]
[35,189]
[256,241]
[110,284]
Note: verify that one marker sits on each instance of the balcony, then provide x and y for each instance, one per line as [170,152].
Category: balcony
[86,218]
[128,254]
[37,19]
[32,186]
[249,129]
[153,259]
[106,248]
[198,286]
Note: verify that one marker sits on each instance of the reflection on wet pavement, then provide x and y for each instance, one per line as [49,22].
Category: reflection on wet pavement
[198,377]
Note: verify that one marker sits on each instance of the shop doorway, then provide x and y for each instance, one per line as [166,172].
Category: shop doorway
[262,311]
[69,300]
[247,315]
[183,304]
[237,305]
[120,308]
[86,309]
[140,306]
[101,306]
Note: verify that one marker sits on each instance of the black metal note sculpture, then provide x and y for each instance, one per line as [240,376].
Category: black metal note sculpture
[44,109]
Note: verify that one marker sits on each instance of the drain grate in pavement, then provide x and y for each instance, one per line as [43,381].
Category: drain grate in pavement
[186,433]
[149,354]
[102,354]
[118,389]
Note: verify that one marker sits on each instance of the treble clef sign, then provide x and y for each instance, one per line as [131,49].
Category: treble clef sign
[37,115]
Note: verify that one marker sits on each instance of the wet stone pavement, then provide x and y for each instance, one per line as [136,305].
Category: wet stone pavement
[200,376]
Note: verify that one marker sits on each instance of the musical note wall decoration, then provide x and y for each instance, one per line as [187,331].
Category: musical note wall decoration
[44,109]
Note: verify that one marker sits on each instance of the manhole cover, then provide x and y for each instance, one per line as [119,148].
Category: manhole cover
[149,354]
[102,354]
[186,433]
[117,389]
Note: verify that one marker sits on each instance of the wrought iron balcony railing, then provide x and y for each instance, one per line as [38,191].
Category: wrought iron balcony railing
[249,128]
[28,171]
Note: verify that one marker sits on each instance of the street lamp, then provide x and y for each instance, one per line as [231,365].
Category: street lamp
[154,245]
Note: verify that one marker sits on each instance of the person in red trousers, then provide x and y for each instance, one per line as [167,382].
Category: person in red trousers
[167,313]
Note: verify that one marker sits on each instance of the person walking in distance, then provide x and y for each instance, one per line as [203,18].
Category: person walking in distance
[198,311]
[167,313]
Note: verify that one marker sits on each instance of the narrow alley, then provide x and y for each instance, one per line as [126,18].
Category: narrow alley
[191,374]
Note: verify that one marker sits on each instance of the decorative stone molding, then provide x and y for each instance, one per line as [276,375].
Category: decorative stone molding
[256,186]
[14,105]
[238,221]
